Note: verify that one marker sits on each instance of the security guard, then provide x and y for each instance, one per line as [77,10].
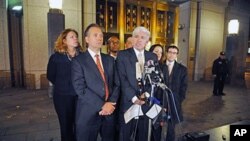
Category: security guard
[220,72]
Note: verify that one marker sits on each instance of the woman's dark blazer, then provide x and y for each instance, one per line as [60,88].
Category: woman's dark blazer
[59,74]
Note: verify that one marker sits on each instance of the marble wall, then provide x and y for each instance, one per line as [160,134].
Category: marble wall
[35,37]
[4,47]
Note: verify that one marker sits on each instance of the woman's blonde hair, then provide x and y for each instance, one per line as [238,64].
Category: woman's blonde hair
[60,46]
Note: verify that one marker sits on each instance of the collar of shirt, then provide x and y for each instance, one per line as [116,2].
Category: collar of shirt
[137,52]
[92,54]
[170,63]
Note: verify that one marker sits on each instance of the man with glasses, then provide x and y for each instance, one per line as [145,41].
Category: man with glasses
[220,72]
[175,77]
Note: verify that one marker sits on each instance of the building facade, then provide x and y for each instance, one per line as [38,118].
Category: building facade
[197,27]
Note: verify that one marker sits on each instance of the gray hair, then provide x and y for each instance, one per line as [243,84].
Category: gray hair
[142,29]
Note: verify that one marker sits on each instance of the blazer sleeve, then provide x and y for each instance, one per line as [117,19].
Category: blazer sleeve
[51,69]
[77,76]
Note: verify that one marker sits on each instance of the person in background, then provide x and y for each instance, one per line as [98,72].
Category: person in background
[129,43]
[59,74]
[220,72]
[96,83]
[175,77]
[126,61]
[158,50]
[113,46]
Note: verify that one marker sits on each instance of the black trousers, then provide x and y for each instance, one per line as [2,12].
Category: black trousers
[65,109]
[170,131]
[134,130]
[219,82]
[157,133]
[104,126]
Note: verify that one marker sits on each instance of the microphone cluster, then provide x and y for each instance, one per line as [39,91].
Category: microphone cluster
[152,73]
[150,76]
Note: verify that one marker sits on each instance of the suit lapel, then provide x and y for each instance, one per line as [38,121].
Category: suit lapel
[146,56]
[132,60]
[92,65]
[175,69]
[132,57]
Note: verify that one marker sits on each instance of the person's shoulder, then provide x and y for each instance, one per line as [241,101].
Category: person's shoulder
[149,53]
[124,52]
[182,66]
[106,56]
[79,56]
[57,55]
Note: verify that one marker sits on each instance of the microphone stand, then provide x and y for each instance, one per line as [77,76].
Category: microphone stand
[153,85]
[133,135]
[168,92]
[150,120]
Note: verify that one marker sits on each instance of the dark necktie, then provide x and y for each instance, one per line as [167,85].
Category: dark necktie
[99,66]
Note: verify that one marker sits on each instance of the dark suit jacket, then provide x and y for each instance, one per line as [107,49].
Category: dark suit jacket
[59,74]
[89,85]
[126,60]
[177,82]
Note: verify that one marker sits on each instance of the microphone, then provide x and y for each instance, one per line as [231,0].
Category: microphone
[152,72]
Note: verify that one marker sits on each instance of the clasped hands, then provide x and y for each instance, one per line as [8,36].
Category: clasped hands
[107,109]
[141,99]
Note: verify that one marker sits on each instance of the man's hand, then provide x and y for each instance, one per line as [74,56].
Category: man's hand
[139,102]
[107,109]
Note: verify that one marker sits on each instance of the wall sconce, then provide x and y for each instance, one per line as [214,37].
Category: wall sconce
[233,27]
[55,4]
[181,26]
[17,8]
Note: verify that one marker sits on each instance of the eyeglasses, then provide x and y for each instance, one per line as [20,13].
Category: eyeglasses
[170,52]
[115,42]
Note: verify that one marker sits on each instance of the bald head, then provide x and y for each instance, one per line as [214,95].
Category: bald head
[129,43]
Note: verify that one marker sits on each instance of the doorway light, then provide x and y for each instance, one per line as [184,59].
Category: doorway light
[233,26]
[17,8]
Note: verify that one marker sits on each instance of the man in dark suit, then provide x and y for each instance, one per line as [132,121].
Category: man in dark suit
[126,64]
[96,83]
[175,77]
